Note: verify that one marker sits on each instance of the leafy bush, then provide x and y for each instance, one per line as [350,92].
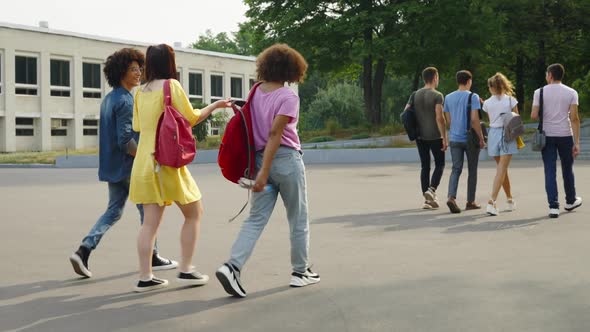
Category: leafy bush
[320,139]
[391,130]
[582,85]
[360,136]
[339,106]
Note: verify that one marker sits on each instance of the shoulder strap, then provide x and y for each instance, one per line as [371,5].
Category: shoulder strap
[469,111]
[540,128]
[167,96]
[253,90]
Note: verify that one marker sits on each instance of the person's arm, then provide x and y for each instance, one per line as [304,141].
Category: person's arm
[575,120]
[477,127]
[124,128]
[274,141]
[440,123]
[535,110]
[206,111]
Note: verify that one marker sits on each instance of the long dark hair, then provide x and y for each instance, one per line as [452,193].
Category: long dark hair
[160,63]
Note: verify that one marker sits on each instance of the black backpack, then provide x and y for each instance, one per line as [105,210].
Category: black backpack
[409,120]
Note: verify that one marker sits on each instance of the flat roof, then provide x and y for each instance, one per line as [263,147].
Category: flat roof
[120,41]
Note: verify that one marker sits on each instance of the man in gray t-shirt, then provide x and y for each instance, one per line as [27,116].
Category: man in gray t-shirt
[432,136]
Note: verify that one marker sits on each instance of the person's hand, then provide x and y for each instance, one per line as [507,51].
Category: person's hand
[576,150]
[260,183]
[482,143]
[445,145]
[224,103]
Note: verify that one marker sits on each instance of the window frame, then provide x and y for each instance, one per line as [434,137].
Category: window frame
[241,78]
[86,90]
[198,72]
[2,71]
[35,87]
[24,126]
[214,97]
[87,127]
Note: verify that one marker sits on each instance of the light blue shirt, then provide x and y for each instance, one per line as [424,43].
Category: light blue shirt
[456,105]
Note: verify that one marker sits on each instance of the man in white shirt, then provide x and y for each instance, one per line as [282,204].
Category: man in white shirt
[561,124]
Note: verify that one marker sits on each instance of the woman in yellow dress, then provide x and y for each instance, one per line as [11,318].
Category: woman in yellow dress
[158,186]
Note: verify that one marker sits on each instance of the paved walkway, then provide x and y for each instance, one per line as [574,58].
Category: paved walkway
[385,264]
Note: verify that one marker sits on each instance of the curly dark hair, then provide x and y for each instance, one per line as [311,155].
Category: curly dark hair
[118,63]
[280,63]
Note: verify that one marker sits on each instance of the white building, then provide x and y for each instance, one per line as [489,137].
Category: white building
[52,84]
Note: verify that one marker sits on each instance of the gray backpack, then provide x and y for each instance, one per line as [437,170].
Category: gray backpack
[513,125]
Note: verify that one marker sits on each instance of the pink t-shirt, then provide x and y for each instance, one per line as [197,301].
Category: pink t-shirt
[557,99]
[265,107]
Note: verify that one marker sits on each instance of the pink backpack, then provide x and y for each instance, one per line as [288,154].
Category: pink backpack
[175,144]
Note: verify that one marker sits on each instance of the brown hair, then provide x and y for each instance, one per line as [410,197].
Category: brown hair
[428,74]
[463,76]
[280,63]
[118,63]
[160,63]
[501,85]
[557,71]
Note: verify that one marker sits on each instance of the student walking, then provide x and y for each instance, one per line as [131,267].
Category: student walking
[275,113]
[118,144]
[501,102]
[462,113]
[561,124]
[157,186]
[432,139]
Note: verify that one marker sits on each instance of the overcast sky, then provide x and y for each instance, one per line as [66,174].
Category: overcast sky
[146,21]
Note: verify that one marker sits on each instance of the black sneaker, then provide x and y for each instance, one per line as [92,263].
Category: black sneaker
[304,279]
[79,261]
[161,263]
[152,284]
[193,278]
[229,277]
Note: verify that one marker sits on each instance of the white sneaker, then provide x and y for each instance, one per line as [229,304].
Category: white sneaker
[575,204]
[229,277]
[510,205]
[431,199]
[492,209]
[427,206]
[304,279]
[553,213]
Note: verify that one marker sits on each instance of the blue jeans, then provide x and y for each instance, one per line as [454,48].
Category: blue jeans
[118,193]
[287,177]
[564,147]
[458,152]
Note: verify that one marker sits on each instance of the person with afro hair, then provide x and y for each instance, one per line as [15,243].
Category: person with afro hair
[117,146]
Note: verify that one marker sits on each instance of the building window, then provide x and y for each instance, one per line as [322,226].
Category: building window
[59,127]
[25,75]
[236,88]
[25,126]
[195,88]
[60,78]
[252,82]
[179,76]
[91,80]
[1,66]
[216,88]
[90,127]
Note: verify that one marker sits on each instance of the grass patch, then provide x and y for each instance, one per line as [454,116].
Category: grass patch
[45,157]
[320,139]
[360,136]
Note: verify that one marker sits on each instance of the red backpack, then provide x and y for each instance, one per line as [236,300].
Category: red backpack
[237,151]
[175,144]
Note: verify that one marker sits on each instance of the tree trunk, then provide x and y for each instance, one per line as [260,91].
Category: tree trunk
[368,86]
[378,91]
[520,81]
[416,79]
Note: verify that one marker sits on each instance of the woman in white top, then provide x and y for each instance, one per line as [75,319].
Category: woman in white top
[501,102]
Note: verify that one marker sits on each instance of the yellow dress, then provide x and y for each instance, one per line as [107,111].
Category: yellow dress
[168,184]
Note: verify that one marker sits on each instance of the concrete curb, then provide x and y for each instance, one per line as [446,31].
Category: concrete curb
[27,166]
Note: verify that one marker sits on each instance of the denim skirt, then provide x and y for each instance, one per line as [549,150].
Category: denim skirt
[496,144]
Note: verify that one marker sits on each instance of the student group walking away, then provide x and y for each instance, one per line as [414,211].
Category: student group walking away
[118,145]
[280,169]
[424,122]
[556,107]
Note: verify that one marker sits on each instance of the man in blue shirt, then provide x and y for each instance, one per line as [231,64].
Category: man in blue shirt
[460,119]
[117,146]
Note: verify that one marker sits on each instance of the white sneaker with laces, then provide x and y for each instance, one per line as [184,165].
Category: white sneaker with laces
[304,279]
[492,209]
[229,277]
[510,205]
[553,213]
[577,203]
[431,199]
